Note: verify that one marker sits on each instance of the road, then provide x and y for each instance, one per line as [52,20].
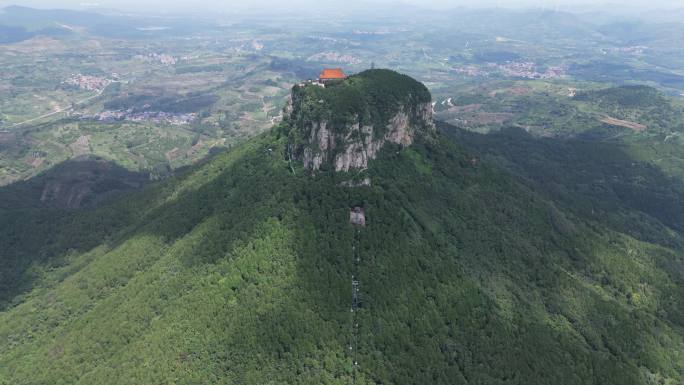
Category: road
[58,111]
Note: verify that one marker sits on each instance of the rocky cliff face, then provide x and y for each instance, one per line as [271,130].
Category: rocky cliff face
[354,142]
[354,147]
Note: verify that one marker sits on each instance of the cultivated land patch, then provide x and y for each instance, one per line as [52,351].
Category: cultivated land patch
[623,123]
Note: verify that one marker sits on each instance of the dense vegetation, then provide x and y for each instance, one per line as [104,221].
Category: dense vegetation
[371,97]
[84,182]
[625,96]
[10,34]
[239,271]
[502,259]
[622,113]
[638,103]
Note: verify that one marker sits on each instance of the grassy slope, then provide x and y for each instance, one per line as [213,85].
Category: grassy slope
[238,272]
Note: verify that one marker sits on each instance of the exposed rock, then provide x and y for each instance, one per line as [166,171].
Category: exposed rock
[359,145]
[357,216]
[356,183]
[353,145]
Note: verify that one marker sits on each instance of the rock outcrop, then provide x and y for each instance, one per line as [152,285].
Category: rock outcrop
[321,138]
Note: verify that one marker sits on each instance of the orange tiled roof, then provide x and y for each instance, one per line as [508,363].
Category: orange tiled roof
[332,73]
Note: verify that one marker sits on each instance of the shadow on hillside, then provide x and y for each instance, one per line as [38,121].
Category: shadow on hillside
[83,182]
[40,223]
[451,267]
[74,207]
[600,181]
[431,254]
[486,254]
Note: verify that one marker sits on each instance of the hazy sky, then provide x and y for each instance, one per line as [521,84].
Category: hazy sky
[180,5]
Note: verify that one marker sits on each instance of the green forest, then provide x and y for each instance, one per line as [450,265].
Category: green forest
[504,258]
[371,97]
[475,269]
[492,196]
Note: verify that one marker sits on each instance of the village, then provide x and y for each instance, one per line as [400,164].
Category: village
[525,70]
[334,57]
[88,82]
[163,59]
[158,117]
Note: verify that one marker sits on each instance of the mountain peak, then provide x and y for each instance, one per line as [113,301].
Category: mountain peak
[344,124]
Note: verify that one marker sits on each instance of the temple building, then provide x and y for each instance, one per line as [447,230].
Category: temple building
[331,75]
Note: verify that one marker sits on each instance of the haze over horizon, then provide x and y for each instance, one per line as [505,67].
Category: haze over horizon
[168,7]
